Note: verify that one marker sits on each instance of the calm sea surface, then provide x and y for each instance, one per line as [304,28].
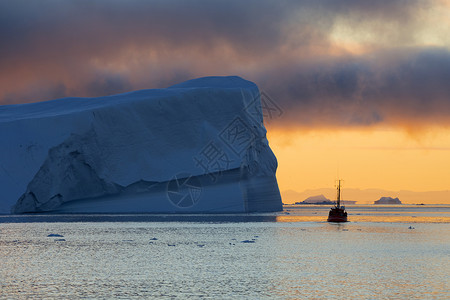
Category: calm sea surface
[385,252]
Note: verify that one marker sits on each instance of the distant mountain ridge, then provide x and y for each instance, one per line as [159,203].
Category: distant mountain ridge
[368,196]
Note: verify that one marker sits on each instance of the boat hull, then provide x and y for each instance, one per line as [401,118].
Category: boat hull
[337,215]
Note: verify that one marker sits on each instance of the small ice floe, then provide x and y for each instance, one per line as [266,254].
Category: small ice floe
[60,240]
[54,235]
[153,239]
[248,241]
[410,227]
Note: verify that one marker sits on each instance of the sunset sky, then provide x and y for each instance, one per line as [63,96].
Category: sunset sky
[363,87]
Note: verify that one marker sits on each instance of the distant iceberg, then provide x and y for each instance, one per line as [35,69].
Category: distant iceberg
[322,200]
[199,146]
[387,200]
[319,199]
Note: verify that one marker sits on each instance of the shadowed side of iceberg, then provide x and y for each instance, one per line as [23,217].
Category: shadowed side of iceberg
[199,146]
[219,196]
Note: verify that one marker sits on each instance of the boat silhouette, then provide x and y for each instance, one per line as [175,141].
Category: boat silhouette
[338,213]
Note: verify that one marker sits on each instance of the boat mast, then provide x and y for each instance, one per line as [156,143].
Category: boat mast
[338,202]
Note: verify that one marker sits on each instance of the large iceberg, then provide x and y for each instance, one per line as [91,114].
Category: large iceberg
[198,146]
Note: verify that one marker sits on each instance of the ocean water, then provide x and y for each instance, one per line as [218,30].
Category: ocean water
[385,252]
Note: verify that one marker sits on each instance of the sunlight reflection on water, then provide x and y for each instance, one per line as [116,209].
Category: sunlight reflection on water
[370,213]
[232,258]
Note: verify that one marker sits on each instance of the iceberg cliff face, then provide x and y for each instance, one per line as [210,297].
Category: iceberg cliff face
[199,146]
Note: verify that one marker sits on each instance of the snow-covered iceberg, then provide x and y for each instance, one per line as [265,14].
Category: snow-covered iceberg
[199,146]
[387,200]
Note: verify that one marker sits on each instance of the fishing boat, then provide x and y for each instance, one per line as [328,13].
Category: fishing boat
[338,213]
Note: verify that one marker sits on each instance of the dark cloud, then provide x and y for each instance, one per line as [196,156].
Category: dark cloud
[412,88]
[53,49]
[108,84]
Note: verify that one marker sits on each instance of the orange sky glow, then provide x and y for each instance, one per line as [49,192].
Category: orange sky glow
[388,159]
